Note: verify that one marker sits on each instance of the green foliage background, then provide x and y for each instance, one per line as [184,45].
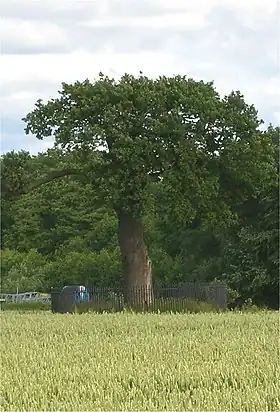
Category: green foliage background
[207,191]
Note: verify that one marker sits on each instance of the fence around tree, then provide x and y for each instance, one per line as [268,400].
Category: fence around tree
[174,298]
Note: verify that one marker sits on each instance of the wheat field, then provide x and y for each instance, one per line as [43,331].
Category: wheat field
[126,362]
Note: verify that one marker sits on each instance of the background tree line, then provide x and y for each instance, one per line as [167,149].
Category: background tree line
[202,181]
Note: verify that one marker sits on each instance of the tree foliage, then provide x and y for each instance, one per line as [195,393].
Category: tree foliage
[190,171]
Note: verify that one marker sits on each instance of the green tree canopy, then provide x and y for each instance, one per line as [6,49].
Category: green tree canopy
[170,141]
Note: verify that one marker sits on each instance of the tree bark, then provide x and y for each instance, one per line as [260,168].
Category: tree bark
[135,260]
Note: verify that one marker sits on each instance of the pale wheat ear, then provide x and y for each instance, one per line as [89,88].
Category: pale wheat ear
[130,361]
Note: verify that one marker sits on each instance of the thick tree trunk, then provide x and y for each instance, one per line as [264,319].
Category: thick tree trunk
[135,260]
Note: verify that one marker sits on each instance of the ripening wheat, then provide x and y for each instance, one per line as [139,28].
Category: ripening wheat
[125,362]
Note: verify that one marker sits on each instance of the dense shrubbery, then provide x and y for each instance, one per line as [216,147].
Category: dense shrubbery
[246,256]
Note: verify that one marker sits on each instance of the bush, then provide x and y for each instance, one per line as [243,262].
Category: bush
[26,306]
[22,271]
[85,268]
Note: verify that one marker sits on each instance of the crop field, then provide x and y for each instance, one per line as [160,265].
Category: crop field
[125,362]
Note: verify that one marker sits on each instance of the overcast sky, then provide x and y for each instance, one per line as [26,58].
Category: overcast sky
[44,42]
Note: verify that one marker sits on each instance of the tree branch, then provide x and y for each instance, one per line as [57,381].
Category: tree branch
[55,174]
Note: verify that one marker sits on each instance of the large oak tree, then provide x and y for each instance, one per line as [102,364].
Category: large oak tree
[140,141]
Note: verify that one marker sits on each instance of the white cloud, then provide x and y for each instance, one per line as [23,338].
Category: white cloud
[31,33]
[13,141]
[186,21]
[45,42]
[54,68]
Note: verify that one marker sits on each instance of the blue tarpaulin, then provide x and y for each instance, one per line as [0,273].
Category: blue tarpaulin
[81,294]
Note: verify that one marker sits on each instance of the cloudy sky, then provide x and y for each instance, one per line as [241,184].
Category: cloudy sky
[44,42]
